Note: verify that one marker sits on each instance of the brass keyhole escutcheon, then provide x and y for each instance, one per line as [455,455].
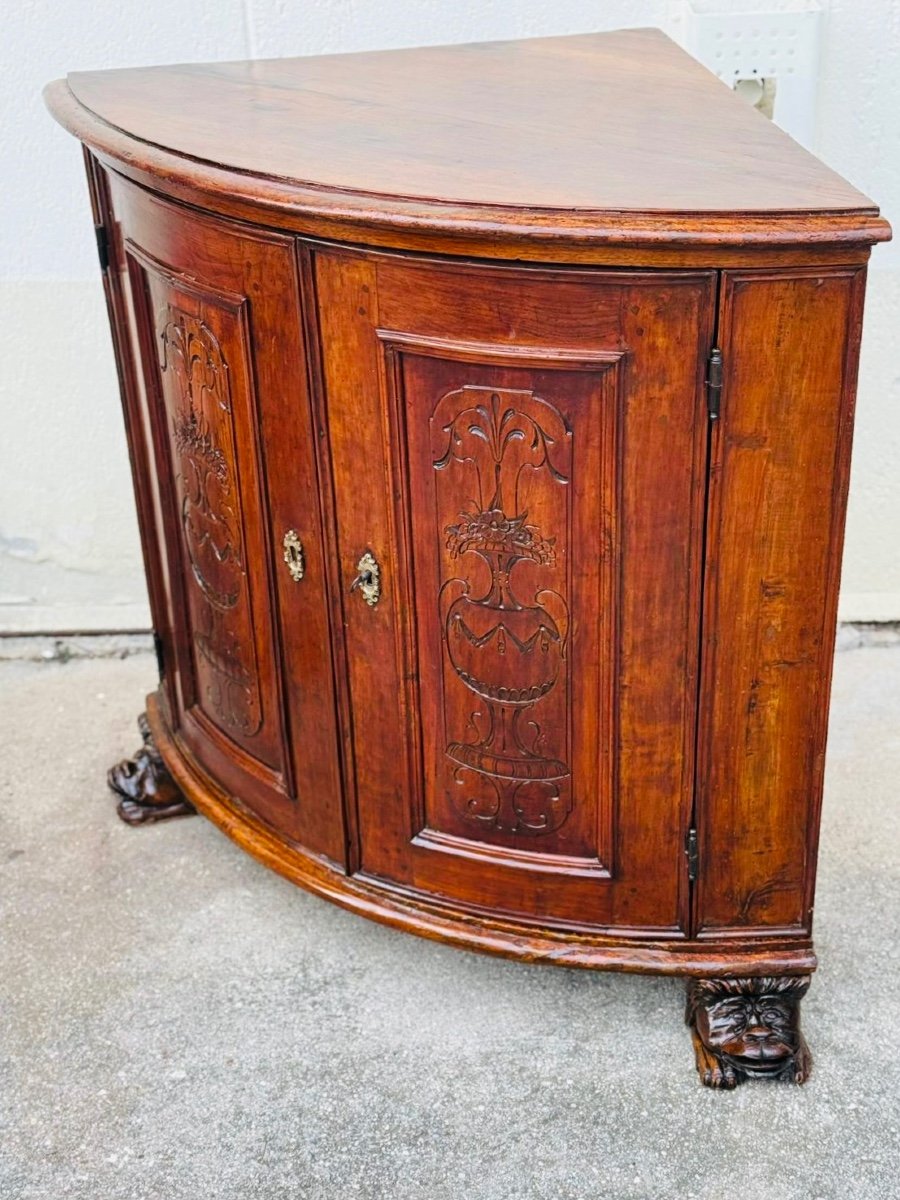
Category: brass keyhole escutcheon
[368,579]
[293,555]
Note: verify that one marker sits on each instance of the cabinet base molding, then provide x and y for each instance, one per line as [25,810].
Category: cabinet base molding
[445,923]
[146,790]
[748,1029]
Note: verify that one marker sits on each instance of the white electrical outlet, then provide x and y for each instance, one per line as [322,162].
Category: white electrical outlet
[780,46]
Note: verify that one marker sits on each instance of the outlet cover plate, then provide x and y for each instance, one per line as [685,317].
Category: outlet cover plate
[782,45]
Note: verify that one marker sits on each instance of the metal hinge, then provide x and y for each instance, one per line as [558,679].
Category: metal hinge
[102,246]
[714,383]
[692,850]
[160,658]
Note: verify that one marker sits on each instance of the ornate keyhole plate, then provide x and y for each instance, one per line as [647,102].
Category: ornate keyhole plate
[368,579]
[293,555]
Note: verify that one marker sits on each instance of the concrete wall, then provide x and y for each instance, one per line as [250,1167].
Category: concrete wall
[69,555]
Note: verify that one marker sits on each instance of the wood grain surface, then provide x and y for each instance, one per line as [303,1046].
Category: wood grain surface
[595,121]
[531,749]
[604,625]
[452,924]
[610,138]
[778,491]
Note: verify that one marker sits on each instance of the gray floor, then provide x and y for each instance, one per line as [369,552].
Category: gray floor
[179,1022]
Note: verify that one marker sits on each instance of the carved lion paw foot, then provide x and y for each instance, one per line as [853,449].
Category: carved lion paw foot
[146,790]
[748,1029]
[802,1064]
[714,1072]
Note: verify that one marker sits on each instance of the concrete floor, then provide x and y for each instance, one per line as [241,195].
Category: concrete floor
[178,1022]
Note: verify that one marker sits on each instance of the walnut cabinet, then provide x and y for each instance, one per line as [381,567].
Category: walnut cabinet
[490,444]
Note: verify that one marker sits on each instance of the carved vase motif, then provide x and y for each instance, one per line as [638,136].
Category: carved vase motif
[506,647]
[193,362]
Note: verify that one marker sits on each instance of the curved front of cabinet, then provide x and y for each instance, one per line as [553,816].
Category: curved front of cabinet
[424,542]
[429,917]
[523,451]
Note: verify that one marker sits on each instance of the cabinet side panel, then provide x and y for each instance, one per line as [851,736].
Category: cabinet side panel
[780,461]
[137,433]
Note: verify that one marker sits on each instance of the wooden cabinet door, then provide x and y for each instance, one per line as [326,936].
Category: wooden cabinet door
[780,461]
[218,408]
[522,452]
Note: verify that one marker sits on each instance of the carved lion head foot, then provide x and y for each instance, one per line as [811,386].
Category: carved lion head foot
[146,790]
[748,1029]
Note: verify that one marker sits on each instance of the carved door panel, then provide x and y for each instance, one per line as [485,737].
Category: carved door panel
[222,382]
[523,454]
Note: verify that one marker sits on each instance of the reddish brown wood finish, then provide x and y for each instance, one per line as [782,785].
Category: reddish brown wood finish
[565,383]
[748,1029]
[777,497]
[610,148]
[426,306]
[448,923]
[220,394]
[480,125]
[145,787]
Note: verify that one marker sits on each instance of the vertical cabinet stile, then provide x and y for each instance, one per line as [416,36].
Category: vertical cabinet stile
[776,518]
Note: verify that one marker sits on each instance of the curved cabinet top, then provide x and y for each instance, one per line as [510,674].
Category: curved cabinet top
[598,141]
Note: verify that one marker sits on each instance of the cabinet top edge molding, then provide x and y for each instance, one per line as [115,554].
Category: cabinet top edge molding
[613,138]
